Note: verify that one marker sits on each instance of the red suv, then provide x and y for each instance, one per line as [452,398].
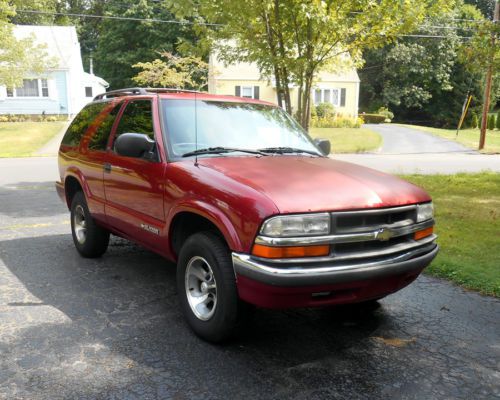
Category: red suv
[243,200]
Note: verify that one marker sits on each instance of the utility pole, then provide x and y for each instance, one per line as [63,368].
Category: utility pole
[487,89]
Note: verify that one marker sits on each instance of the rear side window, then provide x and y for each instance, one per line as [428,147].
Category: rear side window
[100,138]
[81,123]
[137,118]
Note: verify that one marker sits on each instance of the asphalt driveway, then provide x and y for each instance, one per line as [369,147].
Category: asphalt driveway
[110,328]
[402,140]
[409,151]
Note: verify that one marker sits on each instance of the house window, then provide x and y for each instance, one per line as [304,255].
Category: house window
[88,91]
[45,87]
[250,92]
[29,88]
[327,96]
[247,91]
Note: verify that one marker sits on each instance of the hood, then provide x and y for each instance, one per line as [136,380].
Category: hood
[311,184]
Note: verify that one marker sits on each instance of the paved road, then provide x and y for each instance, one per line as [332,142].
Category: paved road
[401,140]
[111,328]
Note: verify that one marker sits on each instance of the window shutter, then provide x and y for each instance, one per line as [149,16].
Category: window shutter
[256,92]
[237,91]
[342,97]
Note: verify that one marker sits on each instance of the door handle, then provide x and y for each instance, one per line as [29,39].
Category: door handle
[107,167]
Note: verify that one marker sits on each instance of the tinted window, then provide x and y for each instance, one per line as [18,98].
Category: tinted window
[81,123]
[137,118]
[100,138]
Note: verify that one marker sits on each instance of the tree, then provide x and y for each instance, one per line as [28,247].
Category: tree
[292,40]
[23,18]
[485,6]
[18,57]
[176,71]
[423,79]
[122,44]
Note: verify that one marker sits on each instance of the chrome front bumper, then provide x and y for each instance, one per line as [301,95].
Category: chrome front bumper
[293,274]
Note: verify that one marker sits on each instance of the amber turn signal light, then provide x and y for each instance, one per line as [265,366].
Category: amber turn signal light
[290,252]
[423,233]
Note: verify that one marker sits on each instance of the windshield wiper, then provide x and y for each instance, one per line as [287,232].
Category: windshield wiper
[221,150]
[286,150]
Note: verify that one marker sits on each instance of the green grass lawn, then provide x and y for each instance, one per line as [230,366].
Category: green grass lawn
[467,137]
[21,139]
[349,140]
[467,210]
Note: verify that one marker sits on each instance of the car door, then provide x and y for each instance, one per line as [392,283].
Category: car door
[134,186]
[93,154]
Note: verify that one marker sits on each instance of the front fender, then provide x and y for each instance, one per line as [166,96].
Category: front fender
[214,215]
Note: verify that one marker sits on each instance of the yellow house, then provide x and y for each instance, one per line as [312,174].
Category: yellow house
[245,80]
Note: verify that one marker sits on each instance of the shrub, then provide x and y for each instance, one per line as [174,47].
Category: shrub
[313,112]
[474,121]
[4,118]
[325,110]
[498,121]
[373,118]
[389,115]
[491,122]
[337,122]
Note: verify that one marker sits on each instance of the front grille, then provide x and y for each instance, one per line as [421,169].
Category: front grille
[391,219]
[365,236]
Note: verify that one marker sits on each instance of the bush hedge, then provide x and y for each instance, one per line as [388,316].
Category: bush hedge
[32,118]
[373,118]
[491,122]
[336,122]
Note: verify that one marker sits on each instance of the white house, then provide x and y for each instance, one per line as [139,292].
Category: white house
[61,91]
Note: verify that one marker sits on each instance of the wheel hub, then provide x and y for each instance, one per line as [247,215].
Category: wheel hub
[201,288]
[79,224]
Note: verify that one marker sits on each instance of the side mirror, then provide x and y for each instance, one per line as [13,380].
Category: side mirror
[324,145]
[136,145]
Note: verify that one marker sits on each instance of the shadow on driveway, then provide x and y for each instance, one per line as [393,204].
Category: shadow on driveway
[17,200]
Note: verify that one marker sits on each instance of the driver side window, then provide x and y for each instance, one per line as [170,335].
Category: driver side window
[137,118]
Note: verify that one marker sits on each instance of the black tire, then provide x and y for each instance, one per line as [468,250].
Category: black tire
[95,239]
[228,313]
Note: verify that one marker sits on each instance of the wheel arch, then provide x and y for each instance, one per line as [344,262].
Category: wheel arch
[73,182]
[187,220]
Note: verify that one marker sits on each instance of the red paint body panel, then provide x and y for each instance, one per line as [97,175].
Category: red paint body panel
[268,296]
[299,184]
[236,208]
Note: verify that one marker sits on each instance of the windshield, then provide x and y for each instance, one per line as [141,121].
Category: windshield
[230,125]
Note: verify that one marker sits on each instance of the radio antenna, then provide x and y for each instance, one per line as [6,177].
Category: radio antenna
[195,129]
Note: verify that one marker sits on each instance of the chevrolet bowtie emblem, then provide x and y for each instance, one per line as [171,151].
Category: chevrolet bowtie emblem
[384,234]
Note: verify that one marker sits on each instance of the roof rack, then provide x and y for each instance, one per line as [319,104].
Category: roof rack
[137,91]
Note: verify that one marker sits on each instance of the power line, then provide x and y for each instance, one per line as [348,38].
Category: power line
[114,17]
[171,21]
[477,21]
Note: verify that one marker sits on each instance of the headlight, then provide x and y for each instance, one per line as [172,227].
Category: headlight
[425,212]
[297,225]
